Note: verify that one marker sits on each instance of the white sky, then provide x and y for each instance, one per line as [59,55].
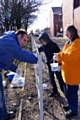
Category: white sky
[42,21]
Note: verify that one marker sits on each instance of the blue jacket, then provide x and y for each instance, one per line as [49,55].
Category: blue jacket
[10,50]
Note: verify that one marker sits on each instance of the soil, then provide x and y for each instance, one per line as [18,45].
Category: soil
[30,111]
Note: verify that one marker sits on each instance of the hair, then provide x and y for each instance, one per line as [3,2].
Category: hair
[21,32]
[44,37]
[73,32]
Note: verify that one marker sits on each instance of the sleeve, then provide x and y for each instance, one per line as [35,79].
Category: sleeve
[68,57]
[41,49]
[11,67]
[61,54]
[25,56]
[57,48]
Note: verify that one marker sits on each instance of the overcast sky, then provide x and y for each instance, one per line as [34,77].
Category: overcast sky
[43,14]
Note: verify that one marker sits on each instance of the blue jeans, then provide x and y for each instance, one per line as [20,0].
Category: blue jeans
[3,112]
[72,97]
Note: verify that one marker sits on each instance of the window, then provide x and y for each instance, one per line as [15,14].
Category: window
[76,3]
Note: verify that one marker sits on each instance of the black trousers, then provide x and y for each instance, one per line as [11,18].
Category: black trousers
[60,81]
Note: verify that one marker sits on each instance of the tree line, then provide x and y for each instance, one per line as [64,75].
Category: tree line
[15,14]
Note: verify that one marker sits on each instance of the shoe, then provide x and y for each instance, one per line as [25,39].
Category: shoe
[71,114]
[66,108]
[10,115]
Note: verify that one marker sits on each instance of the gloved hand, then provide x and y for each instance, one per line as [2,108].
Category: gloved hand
[55,57]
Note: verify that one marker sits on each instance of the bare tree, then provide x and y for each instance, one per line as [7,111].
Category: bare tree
[18,13]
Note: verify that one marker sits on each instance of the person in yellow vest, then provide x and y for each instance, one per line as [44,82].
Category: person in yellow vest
[69,58]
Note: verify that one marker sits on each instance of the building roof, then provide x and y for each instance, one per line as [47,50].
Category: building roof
[57,10]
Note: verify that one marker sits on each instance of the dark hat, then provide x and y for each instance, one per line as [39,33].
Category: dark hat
[44,36]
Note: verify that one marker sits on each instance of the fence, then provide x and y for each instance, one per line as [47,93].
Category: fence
[38,76]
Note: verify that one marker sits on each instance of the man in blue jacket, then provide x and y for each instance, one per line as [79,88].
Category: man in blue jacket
[11,44]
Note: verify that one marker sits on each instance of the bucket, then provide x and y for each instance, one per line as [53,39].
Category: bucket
[55,67]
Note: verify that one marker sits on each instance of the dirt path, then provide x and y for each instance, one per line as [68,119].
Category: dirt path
[52,108]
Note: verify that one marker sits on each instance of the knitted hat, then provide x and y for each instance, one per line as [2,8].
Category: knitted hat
[44,36]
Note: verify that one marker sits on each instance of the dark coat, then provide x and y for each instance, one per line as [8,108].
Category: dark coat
[49,50]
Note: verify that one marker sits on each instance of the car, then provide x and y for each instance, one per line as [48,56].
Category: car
[59,34]
[36,34]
